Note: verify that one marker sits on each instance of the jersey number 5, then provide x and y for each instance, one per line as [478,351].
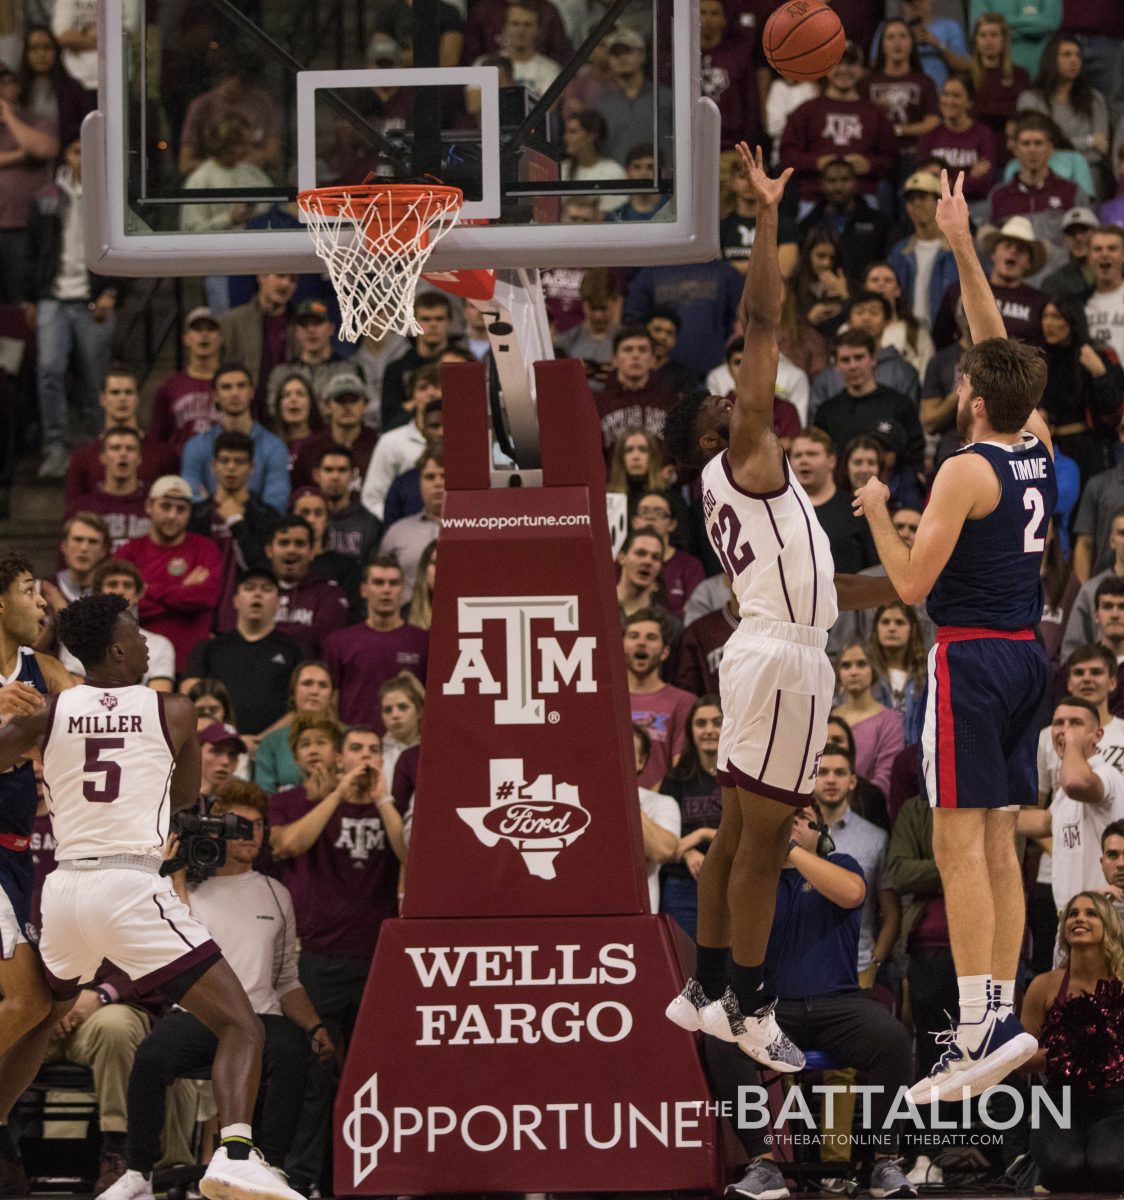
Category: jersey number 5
[109,770]
[1034,536]
[724,533]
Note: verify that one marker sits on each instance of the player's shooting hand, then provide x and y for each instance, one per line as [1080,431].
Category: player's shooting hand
[952,209]
[19,699]
[872,495]
[766,191]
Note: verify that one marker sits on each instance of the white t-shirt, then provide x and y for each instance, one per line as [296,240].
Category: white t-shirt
[926,255]
[792,385]
[1105,313]
[161,658]
[1077,829]
[251,918]
[664,812]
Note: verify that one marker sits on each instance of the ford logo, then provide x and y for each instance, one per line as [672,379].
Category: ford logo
[536,819]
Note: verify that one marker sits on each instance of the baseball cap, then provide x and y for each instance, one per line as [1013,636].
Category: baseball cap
[174,486]
[219,731]
[258,573]
[922,181]
[313,308]
[852,52]
[345,384]
[1080,216]
[383,48]
[892,435]
[623,36]
[200,313]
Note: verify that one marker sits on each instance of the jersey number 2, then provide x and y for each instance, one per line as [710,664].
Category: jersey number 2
[734,558]
[1034,536]
[110,771]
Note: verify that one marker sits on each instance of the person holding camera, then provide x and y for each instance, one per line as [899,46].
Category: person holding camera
[251,918]
[339,839]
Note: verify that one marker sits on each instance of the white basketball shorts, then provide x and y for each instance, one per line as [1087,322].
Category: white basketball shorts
[133,918]
[777,684]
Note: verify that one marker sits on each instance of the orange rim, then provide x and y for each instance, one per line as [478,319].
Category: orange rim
[333,200]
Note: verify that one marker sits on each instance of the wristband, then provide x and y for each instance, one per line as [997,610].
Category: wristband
[103,996]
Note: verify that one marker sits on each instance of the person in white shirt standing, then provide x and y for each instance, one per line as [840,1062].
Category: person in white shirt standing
[1088,797]
[251,917]
[1105,307]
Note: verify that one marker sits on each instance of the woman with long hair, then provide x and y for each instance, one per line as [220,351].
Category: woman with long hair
[899,86]
[960,138]
[878,730]
[820,284]
[800,342]
[1062,91]
[1084,387]
[47,89]
[310,691]
[401,705]
[998,81]
[899,654]
[867,800]
[296,412]
[1076,1012]
[636,466]
[584,138]
[421,602]
[904,333]
[212,701]
[694,785]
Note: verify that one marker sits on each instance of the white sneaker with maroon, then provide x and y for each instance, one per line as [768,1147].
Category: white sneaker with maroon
[244,1179]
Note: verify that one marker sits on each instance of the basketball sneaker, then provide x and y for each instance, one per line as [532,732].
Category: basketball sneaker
[131,1186]
[977,1057]
[242,1179]
[758,1035]
[686,1009]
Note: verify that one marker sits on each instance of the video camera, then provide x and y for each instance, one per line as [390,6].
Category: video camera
[203,841]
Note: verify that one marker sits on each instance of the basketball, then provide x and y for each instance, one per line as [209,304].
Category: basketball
[803,40]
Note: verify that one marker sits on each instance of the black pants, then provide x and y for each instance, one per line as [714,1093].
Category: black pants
[335,987]
[1089,1156]
[860,1033]
[181,1044]
[932,994]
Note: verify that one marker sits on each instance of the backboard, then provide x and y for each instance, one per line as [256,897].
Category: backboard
[213,114]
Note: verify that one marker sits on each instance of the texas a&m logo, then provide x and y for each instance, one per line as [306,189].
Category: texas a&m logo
[536,666]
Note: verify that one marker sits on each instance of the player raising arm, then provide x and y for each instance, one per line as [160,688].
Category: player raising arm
[977,557]
[118,758]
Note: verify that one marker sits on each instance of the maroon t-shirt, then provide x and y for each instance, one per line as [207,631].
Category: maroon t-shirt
[838,127]
[181,408]
[560,289]
[663,715]
[310,610]
[962,151]
[124,515]
[86,472]
[309,458]
[362,659]
[621,408]
[905,99]
[728,77]
[681,574]
[346,884]
[1021,308]
[700,651]
[996,100]
[1016,198]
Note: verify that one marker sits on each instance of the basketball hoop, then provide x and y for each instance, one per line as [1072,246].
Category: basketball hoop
[375,240]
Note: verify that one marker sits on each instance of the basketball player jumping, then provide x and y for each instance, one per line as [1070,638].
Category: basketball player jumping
[776,680]
[118,759]
[976,556]
[26,677]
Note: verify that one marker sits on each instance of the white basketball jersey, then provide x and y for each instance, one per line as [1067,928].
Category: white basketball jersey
[773,550]
[107,766]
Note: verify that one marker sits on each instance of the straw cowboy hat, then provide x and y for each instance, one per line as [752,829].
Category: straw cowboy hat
[1015,229]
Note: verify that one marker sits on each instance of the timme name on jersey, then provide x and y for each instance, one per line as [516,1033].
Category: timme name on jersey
[107,767]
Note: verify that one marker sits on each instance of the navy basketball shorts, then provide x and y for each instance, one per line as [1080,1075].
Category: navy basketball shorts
[980,737]
[16,878]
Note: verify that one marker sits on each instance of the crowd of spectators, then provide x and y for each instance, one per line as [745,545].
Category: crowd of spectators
[273,515]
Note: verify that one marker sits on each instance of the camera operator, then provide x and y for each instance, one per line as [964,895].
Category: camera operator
[251,918]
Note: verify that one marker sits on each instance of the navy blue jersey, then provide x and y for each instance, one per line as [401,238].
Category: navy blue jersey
[993,580]
[18,797]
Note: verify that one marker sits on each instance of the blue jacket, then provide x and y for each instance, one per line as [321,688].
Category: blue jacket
[904,261]
[270,478]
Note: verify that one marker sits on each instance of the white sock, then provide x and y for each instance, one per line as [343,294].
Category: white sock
[1003,995]
[973,998]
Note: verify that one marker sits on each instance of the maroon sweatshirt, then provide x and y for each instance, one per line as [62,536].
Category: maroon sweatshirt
[838,127]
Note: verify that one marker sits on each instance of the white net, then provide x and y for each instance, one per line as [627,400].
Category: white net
[375,250]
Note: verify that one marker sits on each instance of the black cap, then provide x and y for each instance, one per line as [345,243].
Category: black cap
[258,573]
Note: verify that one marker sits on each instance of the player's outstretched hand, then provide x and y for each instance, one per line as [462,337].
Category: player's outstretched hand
[768,192]
[870,496]
[952,209]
